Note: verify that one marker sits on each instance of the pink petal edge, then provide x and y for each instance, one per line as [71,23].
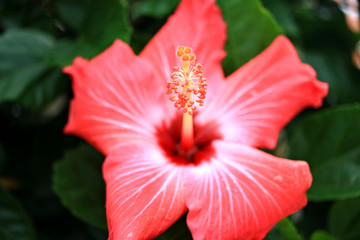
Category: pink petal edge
[144,193]
[243,192]
[116,100]
[261,97]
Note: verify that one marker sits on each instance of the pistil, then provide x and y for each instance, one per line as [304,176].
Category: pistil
[187,134]
[187,89]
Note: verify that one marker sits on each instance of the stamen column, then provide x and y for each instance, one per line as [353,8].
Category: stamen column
[187,88]
[187,133]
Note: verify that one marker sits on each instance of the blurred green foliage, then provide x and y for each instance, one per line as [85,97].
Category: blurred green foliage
[344,219]
[51,180]
[78,182]
[329,141]
[252,29]
[14,222]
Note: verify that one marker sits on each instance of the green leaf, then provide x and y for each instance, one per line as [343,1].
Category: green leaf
[13,84]
[97,23]
[106,22]
[65,51]
[15,224]
[344,219]
[338,178]
[41,91]
[335,68]
[329,141]
[21,54]
[98,26]
[250,30]
[322,235]
[288,230]
[281,10]
[22,47]
[78,181]
[153,8]
[25,77]
[72,12]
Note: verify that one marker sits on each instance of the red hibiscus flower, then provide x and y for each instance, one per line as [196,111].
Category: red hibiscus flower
[162,162]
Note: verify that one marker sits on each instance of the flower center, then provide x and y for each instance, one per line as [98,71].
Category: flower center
[187,89]
[169,139]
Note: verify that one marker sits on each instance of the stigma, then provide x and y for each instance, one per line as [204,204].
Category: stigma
[187,87]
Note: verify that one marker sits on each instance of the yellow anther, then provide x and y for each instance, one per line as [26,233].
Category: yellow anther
[185,57]
[187,50]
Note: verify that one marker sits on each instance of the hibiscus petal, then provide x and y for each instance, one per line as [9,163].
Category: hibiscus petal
[261,97]
[144,192]
[242,192]
[115,98]
[197,24]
